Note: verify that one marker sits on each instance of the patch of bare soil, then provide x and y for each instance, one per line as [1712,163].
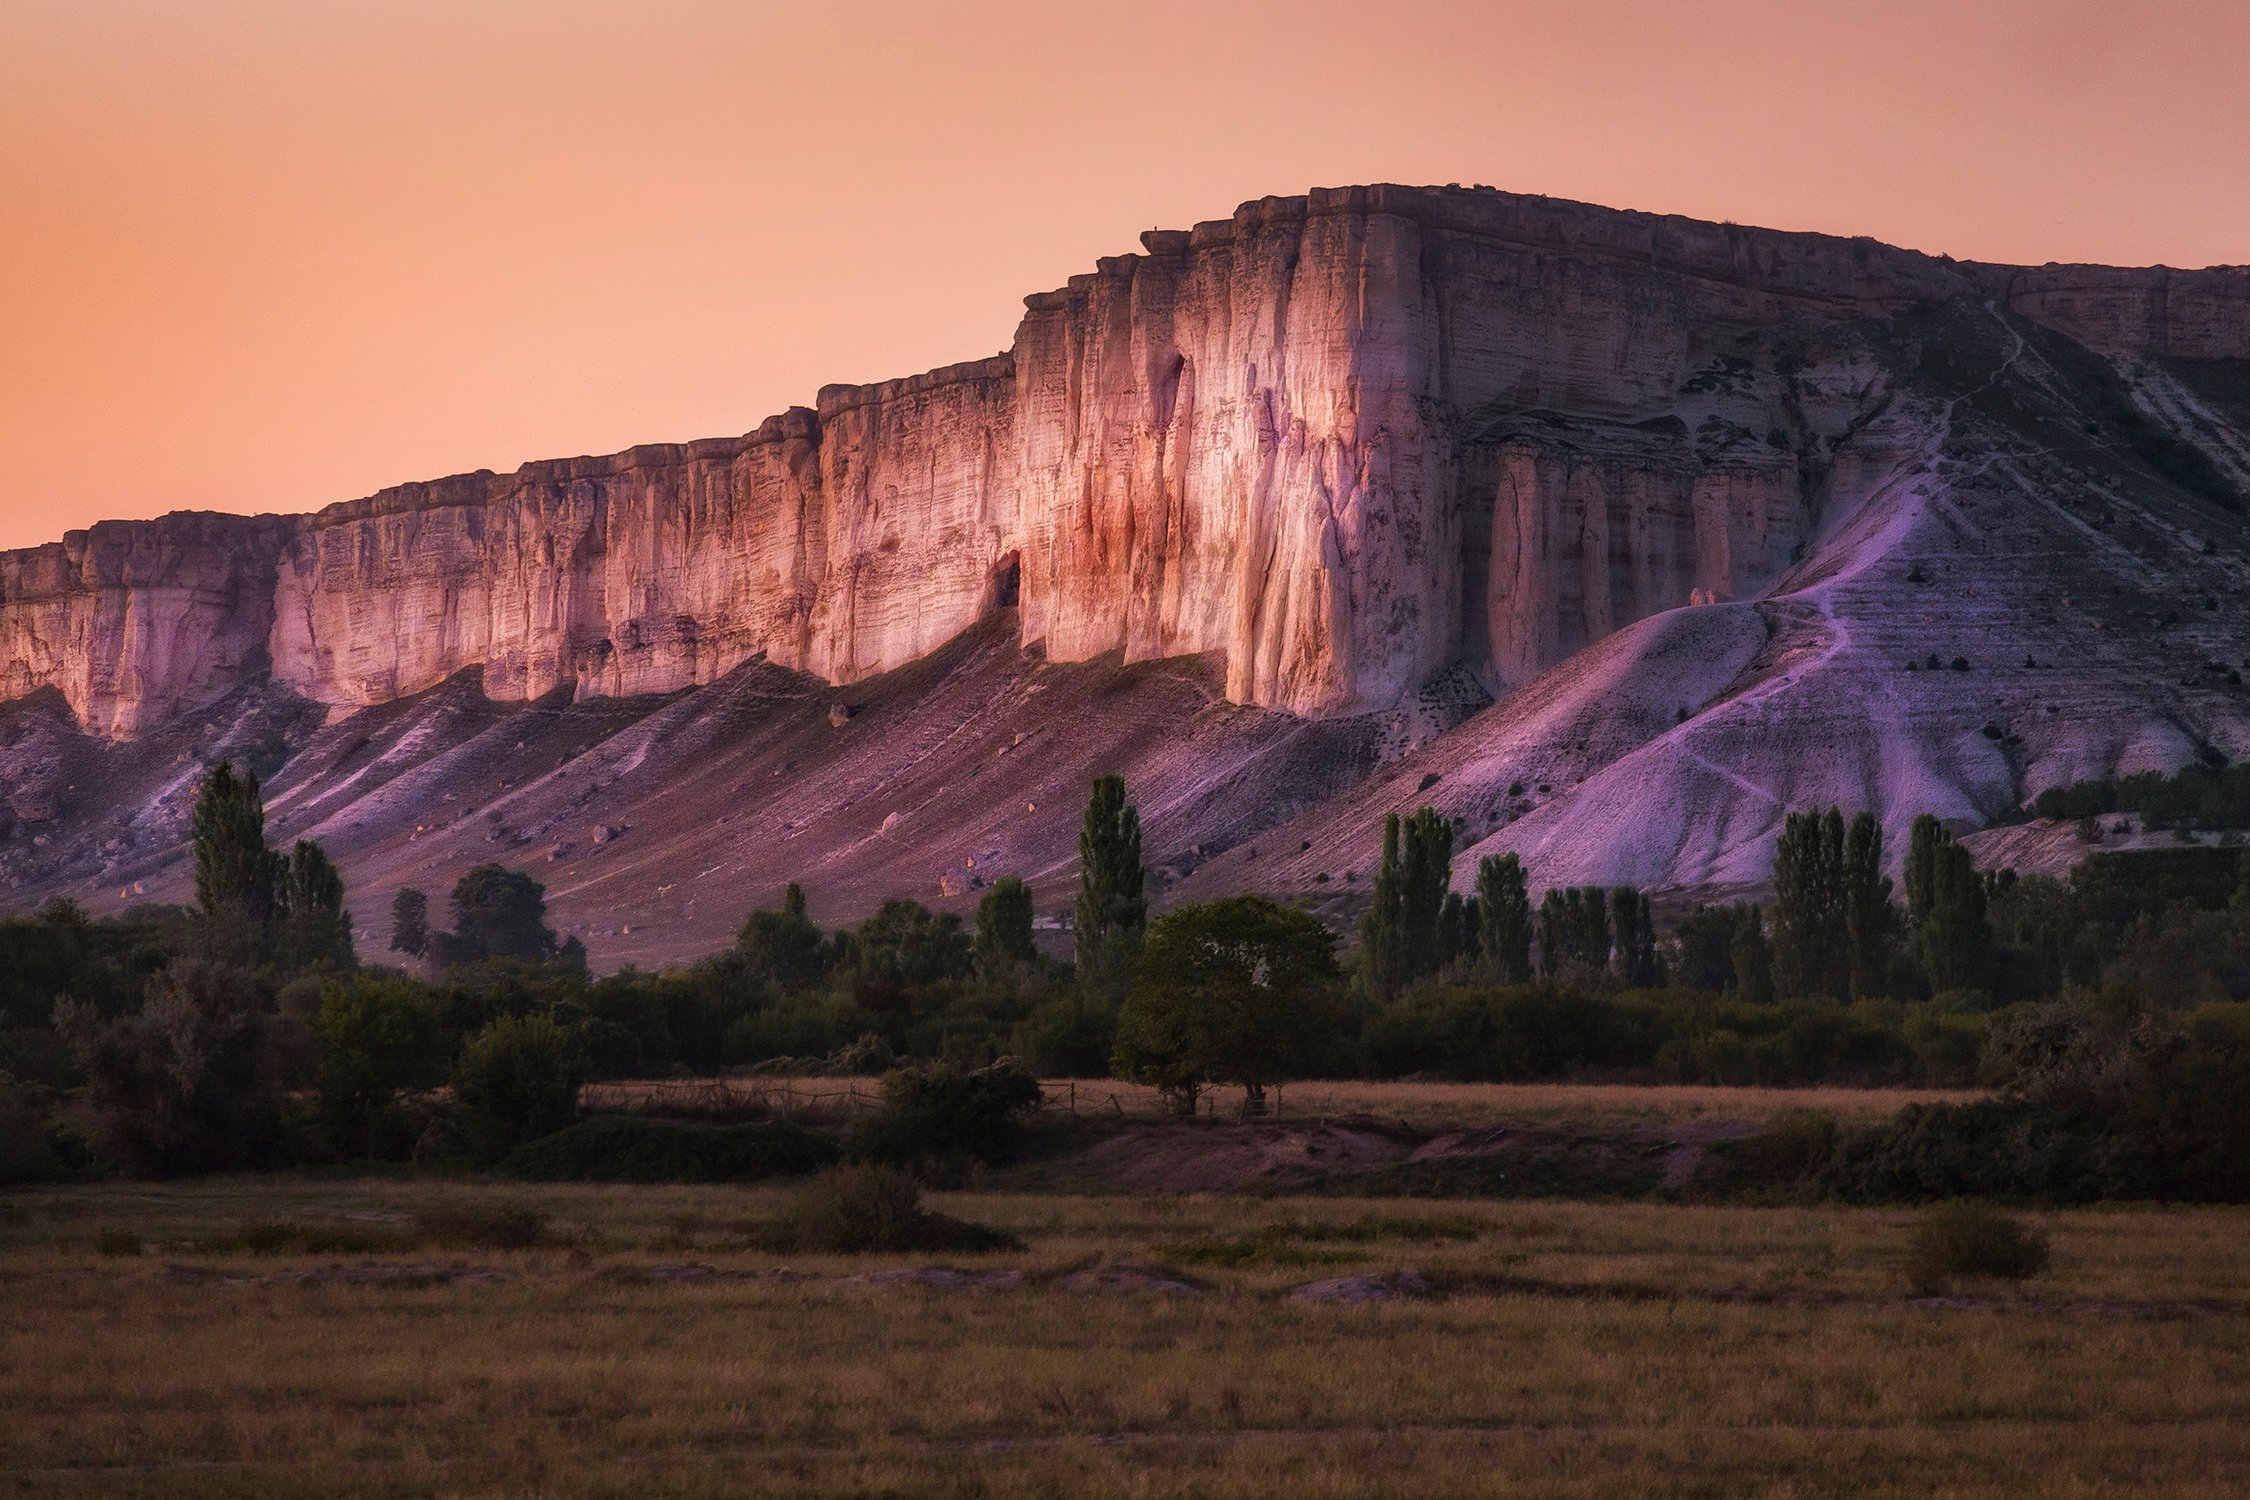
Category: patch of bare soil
[1192,1158]
[1386,1286]
[1126,1277]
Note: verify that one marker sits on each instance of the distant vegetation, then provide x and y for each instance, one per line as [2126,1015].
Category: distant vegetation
[2203,797]
[2109,1010]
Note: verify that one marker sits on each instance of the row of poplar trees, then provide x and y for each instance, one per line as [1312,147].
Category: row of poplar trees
[259,905]
[1418,927]
[1835,931]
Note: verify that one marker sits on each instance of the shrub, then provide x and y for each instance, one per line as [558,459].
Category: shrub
[499,1226]
[1067,1036]
[622,1148]
[517,1080]
[379,1037]
[862,1210]
[34,1147]
[799,1026]
[183,1084]
[1430,1030]
[937,1111]
[1970,1239]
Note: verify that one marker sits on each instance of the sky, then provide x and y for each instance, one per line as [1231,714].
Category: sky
[265,255]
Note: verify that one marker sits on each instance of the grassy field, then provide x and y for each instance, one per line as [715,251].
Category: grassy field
[643,1349]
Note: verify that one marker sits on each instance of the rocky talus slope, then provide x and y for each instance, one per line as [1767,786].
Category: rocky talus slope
[1612,535]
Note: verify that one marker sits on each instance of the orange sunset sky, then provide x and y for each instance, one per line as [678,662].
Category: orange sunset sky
[270,254]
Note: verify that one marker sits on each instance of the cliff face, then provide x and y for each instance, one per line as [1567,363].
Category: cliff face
[136,621]
[1343,440]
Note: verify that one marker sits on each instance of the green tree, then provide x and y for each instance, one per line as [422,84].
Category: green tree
[1231,991]
[1954,939]
[907,944]
[1402,937]
[1574,929]
[1634,921]
[1751,957]
[517,1080]
[499,913]
[186,1083]
[238,879]
[1922,843]
[410,922]
[316,930]
[1382,931]
[1003,943]
[378,1037]
[1869,921]
[1810,955]
[1425,874]
[1504,918]
[782,950]
[1457,931]
[1112,913]
[1704,942]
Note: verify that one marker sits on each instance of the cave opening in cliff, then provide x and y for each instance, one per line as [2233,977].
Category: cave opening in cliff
[1007,581]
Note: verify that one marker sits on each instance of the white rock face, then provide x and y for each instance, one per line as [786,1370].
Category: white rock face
[135,621]
[1344,440]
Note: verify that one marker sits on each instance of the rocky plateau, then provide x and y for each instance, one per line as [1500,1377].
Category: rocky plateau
[1613,536]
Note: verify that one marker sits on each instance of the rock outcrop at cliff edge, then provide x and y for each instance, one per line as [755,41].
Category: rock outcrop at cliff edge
[1346,440]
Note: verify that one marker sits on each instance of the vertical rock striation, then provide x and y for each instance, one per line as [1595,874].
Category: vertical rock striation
[1345,440]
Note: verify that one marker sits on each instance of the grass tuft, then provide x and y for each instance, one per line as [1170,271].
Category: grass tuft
[865,1210]
[1966,1239]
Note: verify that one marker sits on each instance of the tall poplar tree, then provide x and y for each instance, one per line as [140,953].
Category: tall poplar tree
[316,929]
[1112,911]
[238,880]
[1633,919]
[1922,843]
[1868,917]
[1382,931]
[1504,918]
[1809,938]
[1427,859]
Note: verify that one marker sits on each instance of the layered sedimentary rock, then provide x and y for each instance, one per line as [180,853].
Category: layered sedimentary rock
[1345,440]
[135,621]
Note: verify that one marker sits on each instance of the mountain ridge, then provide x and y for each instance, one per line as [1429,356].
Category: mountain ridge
[1381,457]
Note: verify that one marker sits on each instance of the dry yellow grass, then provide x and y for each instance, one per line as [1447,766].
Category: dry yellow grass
[1433,1105]
[1616,1350]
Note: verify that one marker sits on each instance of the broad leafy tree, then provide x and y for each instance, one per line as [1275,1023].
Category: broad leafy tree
[499,913]
[410,922]
[1233,991]
[782,950]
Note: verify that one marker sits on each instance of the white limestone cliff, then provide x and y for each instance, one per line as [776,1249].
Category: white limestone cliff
[1344,440]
